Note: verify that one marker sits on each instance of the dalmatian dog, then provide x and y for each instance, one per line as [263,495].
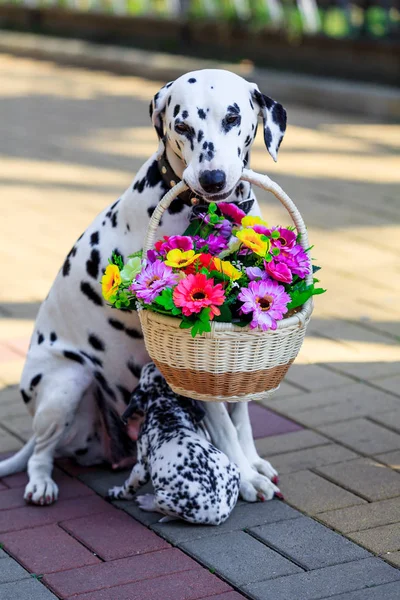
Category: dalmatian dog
[192,480]
[85,357]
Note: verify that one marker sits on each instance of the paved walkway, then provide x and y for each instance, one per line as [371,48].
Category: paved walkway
[70,141]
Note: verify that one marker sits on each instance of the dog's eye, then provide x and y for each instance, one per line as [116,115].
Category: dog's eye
[232,119]
[182,128]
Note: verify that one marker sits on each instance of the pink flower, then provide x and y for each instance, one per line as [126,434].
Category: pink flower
[267,300]
[152,280]
[196,292]
[279,271]
[286,240]
[262,230]
[181,242]
[296,260]
[232,211]
[254,273]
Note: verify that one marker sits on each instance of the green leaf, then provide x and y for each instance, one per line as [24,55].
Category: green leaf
[275,251]
[275,234]
[165,299]
[212,208]
[219,276]
[214,219]
[185,325]
[193,228]
[225,316]
[204,315]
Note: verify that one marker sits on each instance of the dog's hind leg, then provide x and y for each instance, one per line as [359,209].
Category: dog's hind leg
[57,400]
[239,414]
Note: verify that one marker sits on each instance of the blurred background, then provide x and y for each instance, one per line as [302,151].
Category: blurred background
[76,79]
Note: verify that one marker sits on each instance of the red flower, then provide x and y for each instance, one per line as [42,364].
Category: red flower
[204,260]
[196,292]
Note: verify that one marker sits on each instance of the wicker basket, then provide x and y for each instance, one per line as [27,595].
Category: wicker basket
[230,363]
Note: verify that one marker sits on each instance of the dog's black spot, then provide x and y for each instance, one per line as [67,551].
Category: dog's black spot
[168,85]
[40,338]
[74,356]
[268,102]
[177,144]
[134,368]
[35,380]
[91,294]
[246,159]
[103,223]
[127,227]
[169,100]
[252,126]
[116,324]
[151,179]
[25,397]
[104,383]
[81,451]
[93,359]
[96,342]
[268,137]
[279,116]
[176,206]
[126,394]
[247,141]
[114,221]
[94,238]
[201,157]
[93,263]
[251,104]
[177,108]
[200,135]
[239,190]
[66,267]
[192,80]
[53,337]
[151,209]
[115,204]
[185,114]
[201,113]
[239,151]
[139,185]
[134,333]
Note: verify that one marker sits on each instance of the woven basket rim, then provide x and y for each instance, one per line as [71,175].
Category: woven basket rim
[299,319]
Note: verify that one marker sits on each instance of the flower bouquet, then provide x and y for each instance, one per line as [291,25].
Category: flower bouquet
[213,302]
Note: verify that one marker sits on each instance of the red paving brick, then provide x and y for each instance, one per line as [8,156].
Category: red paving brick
[21,479]
[37,516]
[189,585]
[119,572]
[116,535]
[69,488]
[265,422]
[47,549]
[3,487]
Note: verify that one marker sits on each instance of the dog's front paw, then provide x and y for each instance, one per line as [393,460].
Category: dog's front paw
[254,486]
[120,492]
[265,468]
[41,491]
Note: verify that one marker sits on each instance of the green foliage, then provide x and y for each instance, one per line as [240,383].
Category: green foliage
[301,292]
[165,299]
[116,259]
[198,323]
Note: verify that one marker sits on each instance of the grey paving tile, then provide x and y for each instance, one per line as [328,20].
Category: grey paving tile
[388,591]
[363,436]
[308,543]
[10,570]
[356,518]
[27,589]
[130,507]
[390,419]
[314,494]
[239,558]
[392,557]
[103,479]
[288,442]
[3,554]
[367,371]
[315,377]
[392,459]
[244,515]
[312,457]
[366,477]
[392,384]
[325,583]
[379,539]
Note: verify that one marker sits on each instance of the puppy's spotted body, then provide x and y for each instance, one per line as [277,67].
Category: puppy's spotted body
[86,357]
[192,480]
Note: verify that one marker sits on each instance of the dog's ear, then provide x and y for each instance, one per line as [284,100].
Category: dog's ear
[157,109]
[274,118]
[194,407]
[136,404]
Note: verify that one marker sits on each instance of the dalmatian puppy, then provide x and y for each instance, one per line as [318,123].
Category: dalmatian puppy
[85,357]
[192,480]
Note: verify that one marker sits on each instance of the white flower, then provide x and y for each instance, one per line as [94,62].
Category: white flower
[131,269]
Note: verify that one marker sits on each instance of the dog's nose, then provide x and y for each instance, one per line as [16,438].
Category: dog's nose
[212,181]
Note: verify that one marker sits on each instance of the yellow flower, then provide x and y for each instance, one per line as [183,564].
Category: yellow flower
[250,221]
[254,241]
[110,282]
[179,259]
[227,268]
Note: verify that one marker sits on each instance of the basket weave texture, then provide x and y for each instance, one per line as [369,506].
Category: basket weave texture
[229,363]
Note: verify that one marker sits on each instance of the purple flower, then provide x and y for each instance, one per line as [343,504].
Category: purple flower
[267,300]
[151,256]
[182,242]
[279,271]
[215,243]
[254,273]
[152,280]
[296,260]
[224,228]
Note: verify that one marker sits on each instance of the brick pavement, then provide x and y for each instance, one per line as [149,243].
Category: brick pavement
[70,141]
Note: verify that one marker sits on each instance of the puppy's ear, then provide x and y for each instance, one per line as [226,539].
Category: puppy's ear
[195,408]
[136,404]
[274,118]
[157,109]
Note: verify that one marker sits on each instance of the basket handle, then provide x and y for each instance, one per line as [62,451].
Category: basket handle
[262,181]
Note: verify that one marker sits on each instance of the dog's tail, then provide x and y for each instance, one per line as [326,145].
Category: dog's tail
[19,461]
